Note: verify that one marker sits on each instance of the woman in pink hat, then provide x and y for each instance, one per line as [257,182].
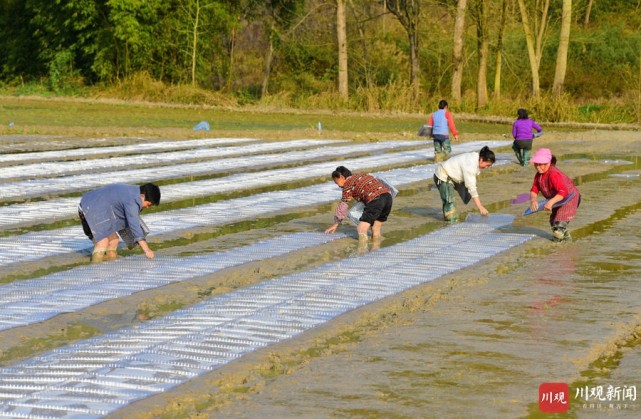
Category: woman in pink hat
[555,186]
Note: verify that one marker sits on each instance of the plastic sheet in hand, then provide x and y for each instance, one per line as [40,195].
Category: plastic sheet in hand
[542,203]
[127,236]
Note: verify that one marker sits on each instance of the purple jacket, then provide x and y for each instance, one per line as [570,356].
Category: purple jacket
[522,129]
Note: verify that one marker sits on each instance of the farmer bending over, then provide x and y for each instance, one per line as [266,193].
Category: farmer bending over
[106,211]
[368,190]
[458,174]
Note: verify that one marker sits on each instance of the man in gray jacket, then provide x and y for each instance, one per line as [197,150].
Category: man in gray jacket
[106,211]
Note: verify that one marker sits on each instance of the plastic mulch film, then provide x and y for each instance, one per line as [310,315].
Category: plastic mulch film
[98,376]
[41,181]
[145,147]
[60,208]
[60,168]
[38,245]
[29,301]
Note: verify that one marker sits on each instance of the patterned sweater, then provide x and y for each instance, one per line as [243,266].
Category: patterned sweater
[364,188]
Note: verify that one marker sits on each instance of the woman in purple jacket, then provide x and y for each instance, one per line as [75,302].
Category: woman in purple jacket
[522,132]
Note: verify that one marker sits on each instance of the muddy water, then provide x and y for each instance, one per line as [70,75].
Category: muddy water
[489,343]
[477,343]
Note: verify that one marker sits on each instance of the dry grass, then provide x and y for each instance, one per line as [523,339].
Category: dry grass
[87,117]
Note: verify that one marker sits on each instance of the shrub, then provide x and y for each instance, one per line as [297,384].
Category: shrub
[394,97]
[63,78]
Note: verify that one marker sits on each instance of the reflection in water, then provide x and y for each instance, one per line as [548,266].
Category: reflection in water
[366,246]
[553,285]
[480,345]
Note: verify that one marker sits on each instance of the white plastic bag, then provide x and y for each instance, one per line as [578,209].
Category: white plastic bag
[393,190]
[356,211]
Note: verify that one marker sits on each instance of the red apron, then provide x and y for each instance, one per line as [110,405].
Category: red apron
[567,211]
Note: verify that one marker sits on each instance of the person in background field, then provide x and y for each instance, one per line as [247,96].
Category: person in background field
[459,174]
[522,132]
[105,211]
[442,123]
[554,185]
[367,189]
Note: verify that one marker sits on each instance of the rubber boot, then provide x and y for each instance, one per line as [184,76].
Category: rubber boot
[517,153]
[558,235]
[446,191]
[447,149]
[526,157]
[439,152]
[560,232]
[98,255]
[451,215]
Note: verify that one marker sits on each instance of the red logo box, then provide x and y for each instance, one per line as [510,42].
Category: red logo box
[554,397]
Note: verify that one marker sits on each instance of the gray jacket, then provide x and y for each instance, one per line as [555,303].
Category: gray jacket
[112,208]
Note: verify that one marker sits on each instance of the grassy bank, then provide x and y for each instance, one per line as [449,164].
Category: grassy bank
[37,115]
[73,116]
[395,102]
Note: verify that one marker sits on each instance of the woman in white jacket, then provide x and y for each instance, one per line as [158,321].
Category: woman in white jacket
[459,174]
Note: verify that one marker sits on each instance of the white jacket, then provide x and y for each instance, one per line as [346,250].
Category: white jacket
[462,168]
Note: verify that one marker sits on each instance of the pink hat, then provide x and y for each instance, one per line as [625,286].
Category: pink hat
[542,156]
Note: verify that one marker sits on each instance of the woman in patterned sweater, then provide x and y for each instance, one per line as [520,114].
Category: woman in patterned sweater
[368,190]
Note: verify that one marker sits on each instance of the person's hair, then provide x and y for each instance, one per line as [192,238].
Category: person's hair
[341,171]
[442,104]
[151,192]
[522,113]
[553,160]
[487,155]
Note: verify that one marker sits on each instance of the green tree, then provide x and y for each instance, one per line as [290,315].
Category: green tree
[457,50]
[135,28]
[499,49]
[19,49]
[407,12]
[341,37]
[279,18]
[69,26]
[534,16]
[480,14]
[197,17]
[564,43]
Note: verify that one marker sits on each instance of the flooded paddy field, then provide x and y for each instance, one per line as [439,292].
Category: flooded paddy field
[477,341]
